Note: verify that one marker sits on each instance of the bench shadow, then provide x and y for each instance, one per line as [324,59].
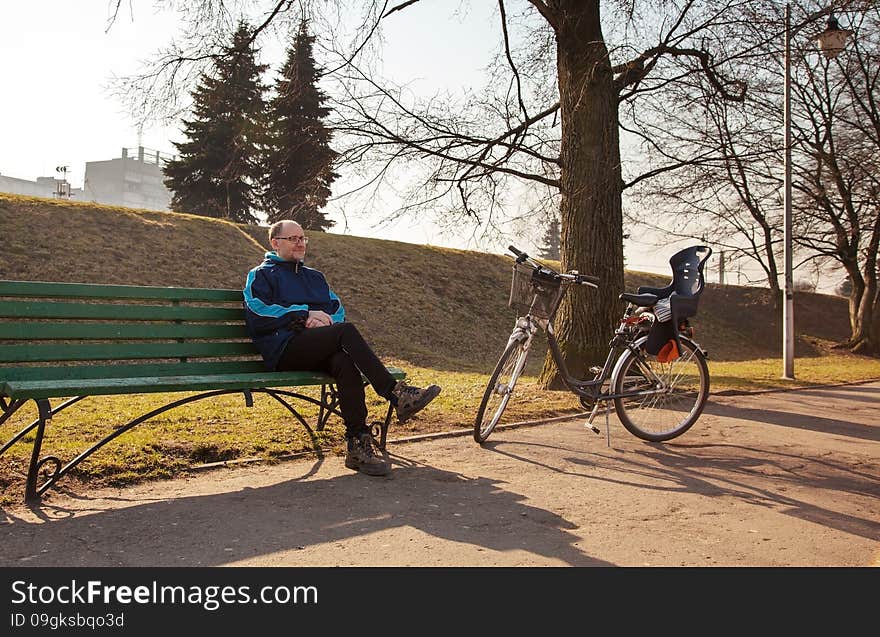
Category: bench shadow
[259,522]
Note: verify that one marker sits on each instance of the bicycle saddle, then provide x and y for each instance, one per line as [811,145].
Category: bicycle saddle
[642,300]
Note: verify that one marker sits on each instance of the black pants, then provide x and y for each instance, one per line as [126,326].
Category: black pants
[341,351]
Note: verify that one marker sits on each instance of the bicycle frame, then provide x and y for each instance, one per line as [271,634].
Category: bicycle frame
[525,330]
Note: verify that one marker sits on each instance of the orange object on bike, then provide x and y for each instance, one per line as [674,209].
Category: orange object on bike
[668,352]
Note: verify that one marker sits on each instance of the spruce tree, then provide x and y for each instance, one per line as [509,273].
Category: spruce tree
[218,171]
[298,158]
[550,249]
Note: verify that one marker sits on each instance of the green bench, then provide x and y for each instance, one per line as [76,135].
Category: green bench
[73,341]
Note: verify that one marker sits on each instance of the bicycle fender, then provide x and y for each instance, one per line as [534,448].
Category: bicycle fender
[639,342]
[517,336]
[695,345]
[520,331]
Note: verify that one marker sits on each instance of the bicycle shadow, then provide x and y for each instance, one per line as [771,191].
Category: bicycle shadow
[710,469]
[795,420]
[862,393]
[268,522]
[720,470]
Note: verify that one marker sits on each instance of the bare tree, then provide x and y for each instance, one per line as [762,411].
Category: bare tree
[728,192]
[731,191]
[554,124]
[841,135]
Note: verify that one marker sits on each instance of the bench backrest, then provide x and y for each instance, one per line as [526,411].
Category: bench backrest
[54,331]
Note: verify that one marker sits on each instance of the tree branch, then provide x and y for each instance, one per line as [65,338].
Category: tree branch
[400,7]
[513,68]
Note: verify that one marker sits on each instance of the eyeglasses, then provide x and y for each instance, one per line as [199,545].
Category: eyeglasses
[295,239]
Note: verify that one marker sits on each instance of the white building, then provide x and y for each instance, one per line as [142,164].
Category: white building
[42,187]
[134,180]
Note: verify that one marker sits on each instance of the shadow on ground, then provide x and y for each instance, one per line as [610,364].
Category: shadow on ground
[294,515]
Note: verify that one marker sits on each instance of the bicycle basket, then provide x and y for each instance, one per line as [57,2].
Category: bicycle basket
[534,294]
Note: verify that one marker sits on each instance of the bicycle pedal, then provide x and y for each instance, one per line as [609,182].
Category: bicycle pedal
[595,370]
[589,424]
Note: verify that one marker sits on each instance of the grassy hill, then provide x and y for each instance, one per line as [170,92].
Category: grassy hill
[428,306]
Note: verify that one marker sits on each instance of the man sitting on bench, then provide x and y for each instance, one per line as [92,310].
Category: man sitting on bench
[297,323]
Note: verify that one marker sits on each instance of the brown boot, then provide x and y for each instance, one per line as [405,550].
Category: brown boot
[411,400]
[361,457]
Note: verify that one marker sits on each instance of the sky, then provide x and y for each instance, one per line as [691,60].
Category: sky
[58,60]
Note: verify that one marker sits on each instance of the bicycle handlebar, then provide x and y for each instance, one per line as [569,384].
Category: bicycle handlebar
[588,278]
[572,277]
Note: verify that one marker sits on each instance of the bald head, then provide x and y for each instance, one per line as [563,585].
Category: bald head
[284,228]
[288,240]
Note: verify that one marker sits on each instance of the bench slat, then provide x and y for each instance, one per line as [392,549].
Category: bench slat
[133,370]
[109,386]
[40,289]
[41,310]
[121,351]
[34,331]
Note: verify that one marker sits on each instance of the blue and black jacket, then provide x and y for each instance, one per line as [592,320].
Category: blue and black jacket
[278,295]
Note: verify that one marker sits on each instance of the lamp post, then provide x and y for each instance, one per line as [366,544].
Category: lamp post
[831,42]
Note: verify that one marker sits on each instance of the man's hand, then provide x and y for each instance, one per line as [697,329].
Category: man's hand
[317,318]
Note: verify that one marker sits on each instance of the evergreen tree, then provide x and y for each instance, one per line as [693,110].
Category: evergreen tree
[218,172]
[298,158]
[550,249]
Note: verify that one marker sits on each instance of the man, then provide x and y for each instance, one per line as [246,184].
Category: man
[298,323]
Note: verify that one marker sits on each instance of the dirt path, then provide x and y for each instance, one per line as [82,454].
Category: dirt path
[776,479]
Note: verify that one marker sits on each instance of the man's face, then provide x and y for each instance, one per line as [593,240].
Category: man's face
[290,243]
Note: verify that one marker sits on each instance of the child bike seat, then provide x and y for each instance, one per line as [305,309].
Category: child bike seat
[683,293]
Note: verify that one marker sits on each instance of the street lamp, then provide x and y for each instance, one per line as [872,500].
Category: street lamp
[831,42]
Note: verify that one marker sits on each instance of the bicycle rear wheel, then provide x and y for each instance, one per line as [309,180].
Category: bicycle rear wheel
[499,390]
[674,409]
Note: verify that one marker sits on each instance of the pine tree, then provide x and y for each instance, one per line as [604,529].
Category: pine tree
[218,172]
[298,158]
[550,249]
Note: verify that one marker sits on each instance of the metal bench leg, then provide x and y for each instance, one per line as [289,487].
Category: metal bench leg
[328,405]
[382,429]
[30,491]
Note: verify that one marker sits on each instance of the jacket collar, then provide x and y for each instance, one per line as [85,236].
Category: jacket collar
[272,257]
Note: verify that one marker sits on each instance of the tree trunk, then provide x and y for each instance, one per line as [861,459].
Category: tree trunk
[591,185]
[772,271]
[865,318]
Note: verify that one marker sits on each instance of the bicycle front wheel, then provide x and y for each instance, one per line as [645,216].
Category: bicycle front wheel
[499,390]
[674,393]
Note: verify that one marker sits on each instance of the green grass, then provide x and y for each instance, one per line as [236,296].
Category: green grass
[440,314]
[223,429]
[766,373]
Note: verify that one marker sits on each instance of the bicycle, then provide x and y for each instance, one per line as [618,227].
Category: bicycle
[657,396]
